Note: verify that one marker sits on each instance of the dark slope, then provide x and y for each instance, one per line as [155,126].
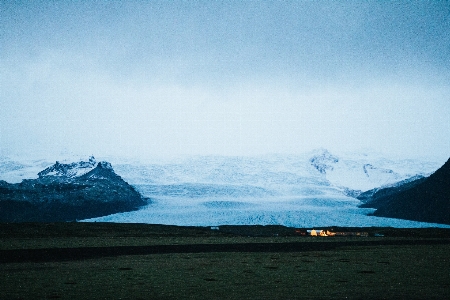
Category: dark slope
[378,196]
[49,198]
[426,200]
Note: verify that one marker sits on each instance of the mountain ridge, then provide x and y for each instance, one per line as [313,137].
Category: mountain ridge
[62,194]
[425,199]
[74,169]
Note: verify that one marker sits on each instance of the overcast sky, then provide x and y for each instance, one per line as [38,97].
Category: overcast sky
[157,78]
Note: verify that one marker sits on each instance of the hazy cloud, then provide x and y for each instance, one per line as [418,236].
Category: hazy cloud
[233,78]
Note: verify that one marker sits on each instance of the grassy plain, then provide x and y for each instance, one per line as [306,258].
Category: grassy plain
[136,261]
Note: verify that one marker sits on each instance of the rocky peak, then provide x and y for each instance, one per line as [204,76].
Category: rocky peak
[105,165]
[62,194]
[71,170]
[103,170]
[323,161]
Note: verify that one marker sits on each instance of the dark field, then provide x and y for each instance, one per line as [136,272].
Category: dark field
[136,261]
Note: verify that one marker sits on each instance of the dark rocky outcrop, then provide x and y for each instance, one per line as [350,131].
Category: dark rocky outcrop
[424,199]
[323,161]
[377,196]
[60,195]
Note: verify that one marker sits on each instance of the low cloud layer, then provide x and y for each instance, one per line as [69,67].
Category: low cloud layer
[160,79]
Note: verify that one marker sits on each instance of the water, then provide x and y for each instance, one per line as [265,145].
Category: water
[298,212]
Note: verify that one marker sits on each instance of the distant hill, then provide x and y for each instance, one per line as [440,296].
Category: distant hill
[425,199]
[68,192]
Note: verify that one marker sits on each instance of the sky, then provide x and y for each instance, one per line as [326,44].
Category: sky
[163,78]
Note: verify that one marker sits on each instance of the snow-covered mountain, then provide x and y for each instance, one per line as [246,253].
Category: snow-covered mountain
[359,171]
[312,174]
[14,169]
[71,170]
[354,171]
[292,190]
[67,192]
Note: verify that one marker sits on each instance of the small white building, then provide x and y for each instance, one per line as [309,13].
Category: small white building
[312,232]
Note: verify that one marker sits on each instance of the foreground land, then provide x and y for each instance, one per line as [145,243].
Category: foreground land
[137,261]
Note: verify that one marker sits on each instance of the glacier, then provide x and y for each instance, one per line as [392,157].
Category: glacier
[275,189]
[290,212]
[307,190]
